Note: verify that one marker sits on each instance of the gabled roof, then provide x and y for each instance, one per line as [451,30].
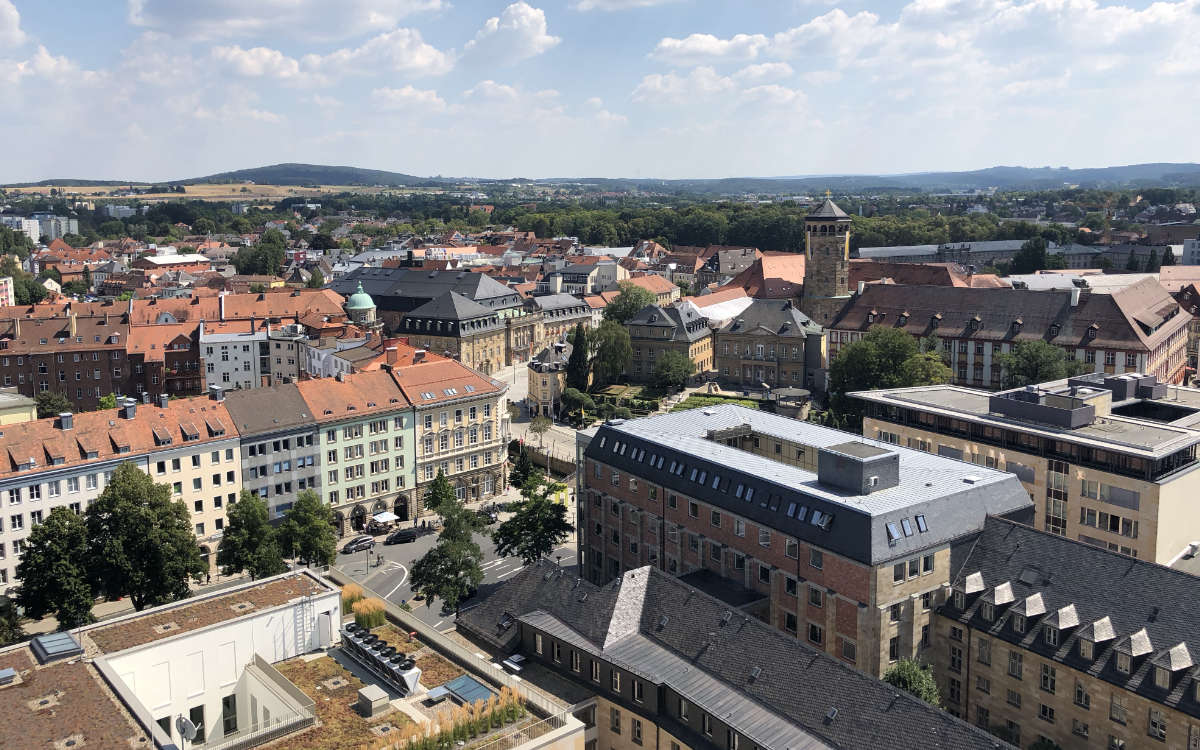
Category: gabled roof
[685,322]
[828,210]
[773,276]
[773,689]
[356,395]
[653,283]
[770,317]
[287,409]
[439,379]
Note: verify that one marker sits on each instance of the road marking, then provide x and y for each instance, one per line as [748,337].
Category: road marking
[493,563]
[508,573]
[439,622]
[398,585]
[450,629]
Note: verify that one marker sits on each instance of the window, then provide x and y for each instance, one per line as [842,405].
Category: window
[1049,678]
[894,648]
[693,510]
[575,661]
[816,558]
[849,651]
[635,731]
[955,659]
[764,537]
[764,573]
[595,671]
[1045,713]
[1162,678]
[816,633]
[638,696]
[983,651]
[816,596]
[229,723]
[983,684]
[537,643]
[1012,698]
[615,720]
[739,527]
[707,724]
[1157,727]
[1118,710]
[1082,697]
[894,612]
[1085,648]
[926,564]
[683,709]
[1015,664]
[714,518]
[982,717]
[1123,663]
[1079,728]
[615,681]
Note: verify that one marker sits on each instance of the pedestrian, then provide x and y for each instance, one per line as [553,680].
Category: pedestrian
[208,578]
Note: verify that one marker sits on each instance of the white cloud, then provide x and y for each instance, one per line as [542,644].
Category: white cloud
[707,93]
[407,99]
[763,72]
[672,88]
[601,114]
[617,4]
[258,62]
[312,19]
[10,25]
[519,32]
[401,51]
[701,49]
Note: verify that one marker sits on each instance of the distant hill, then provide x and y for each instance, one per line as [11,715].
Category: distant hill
[75,182]
[1003,178]
[312,174]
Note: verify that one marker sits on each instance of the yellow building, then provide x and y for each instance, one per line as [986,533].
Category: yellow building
[547,374]
[16,408]
[1107,460]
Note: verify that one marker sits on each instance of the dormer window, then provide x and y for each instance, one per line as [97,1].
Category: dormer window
[1018,623]
[1123,661]
[1162,678]
[987,612]
[1086,649]
[960,600]
[1051,635]
[1054,330]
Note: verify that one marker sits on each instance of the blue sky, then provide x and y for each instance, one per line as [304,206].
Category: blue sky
[167,89]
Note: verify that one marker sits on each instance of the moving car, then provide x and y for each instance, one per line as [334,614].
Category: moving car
[358,544]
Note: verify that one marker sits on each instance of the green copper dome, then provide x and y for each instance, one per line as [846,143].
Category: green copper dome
[360,300]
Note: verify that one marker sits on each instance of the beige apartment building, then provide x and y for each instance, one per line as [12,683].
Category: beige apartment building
[547,374]
[1107,460]
[1042,636]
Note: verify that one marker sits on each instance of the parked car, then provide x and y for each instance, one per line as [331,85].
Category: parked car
[358,544]
[403,536]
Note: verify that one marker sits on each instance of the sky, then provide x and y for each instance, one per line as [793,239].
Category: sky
[172,89]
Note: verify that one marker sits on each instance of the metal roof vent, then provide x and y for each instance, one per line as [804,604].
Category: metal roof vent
[662,622]
[831,715]
[971,479]
[726,617]
[754,673]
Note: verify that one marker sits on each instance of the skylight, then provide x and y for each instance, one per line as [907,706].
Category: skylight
[892,532]
[921,527]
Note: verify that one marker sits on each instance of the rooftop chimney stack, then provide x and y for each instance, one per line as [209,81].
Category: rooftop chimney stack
[162,400]
[393,355]
[128,409]
[66,420]
[216,393]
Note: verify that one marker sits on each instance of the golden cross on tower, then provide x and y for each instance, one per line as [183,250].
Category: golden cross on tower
[827,193]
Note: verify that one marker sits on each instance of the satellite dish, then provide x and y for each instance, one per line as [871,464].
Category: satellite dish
[186,728]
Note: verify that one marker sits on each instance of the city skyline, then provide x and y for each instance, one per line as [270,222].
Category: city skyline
[602,88]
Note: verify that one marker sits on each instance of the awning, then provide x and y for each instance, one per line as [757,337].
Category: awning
[385,517]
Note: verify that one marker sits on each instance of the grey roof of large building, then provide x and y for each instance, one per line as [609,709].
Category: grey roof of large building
[1111,598]
[387,285]
[771,317]
[828,210]
[563,301]
[659,628]
[686,323]
[450,306]
[287,409]
[953,496]
[1130,435]
[974,246]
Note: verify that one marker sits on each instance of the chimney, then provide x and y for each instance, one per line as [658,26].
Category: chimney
[66,420]
[71,326]
[419,355]
[341,377]
[16,328]
[1075,291]
[146,397]
[221,305]
[393,355]
[128,409]
[216,393]
[162,400]
[862,287]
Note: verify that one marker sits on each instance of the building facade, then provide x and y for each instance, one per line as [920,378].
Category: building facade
[827,263]
[547,375]
[840,542]
[454,326]
[1108,460]
[769,343]
[656,330]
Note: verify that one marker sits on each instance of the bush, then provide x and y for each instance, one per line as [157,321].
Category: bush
[351,593]
[369,613]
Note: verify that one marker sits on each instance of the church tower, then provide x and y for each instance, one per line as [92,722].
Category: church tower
[827,263]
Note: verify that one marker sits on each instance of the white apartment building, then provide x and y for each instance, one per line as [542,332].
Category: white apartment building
[29,227]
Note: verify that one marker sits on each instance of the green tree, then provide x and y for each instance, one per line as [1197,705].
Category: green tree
[1033,362]
[10,622]
[628,303]
[108,401]
[684,287]
[264,258]
[1168,258]
[611,352]
[1132,263]
[27,291]
[538,524]
[50,273]
[51,404]
[575,401]
[915,678]
[672,370]
[540,426]
[307,531]
[249,542]
[1152,263]
[578,371]
[316,280]
[440,499]
[521,468]
[53,571]
[452,568]
[140,542]
[884,358]
[1032,257]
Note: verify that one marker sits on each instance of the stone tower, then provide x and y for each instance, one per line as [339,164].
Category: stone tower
[827,263]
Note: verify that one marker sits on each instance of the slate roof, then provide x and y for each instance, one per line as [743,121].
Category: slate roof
[686,323]
[769,317]
[664,631]
[828,210]
[288,409]
[1138,607]
[954,496]
[915,310]
[558,302]
[396,288]
[450,306]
